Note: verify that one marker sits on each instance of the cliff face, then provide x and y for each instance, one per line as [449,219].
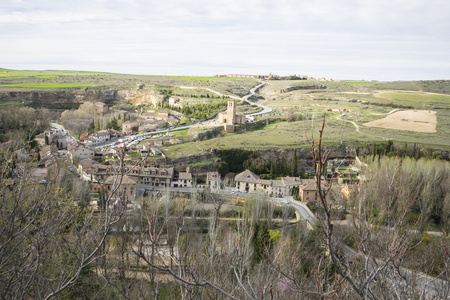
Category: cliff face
[70,99]
[141,97]
[64,96]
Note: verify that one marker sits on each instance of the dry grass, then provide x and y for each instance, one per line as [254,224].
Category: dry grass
[418,121]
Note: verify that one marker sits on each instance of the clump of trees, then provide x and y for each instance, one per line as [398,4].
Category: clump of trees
[84,120]
[78,121]
[390,149]
[15,121]
[199,111]
[420,188]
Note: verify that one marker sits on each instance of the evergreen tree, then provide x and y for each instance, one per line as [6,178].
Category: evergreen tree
[91,128]
[261,241]
[97,125]
[113,124]
[294,164]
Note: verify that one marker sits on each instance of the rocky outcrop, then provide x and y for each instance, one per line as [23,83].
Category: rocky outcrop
[63,96]
[299,87]
[73,99]
[141,97]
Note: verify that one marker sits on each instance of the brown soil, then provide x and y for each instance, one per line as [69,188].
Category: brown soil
[418,121]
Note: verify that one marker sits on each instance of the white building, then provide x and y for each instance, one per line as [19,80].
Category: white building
[99,138]
[81,152]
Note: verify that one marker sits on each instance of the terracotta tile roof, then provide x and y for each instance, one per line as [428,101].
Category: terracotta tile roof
[125,180]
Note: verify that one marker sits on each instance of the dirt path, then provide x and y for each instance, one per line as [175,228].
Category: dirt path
[356,125]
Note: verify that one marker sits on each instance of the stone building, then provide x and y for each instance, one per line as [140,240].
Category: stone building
[230,117]
[250,182]
[213,180]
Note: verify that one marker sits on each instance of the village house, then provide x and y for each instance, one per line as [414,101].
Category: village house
[122,189]
[184,180]
[98,138]
[101,172]
[250,182]
[84,136]
[213,180]
[95,187]
[80,151]
[47,153]
[100,108]
[151,176]
[149,125]
[55,138]
[86,169]
[156,152]
[130,126]
[143,125]
[308,191]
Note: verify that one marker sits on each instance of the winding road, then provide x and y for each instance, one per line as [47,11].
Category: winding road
[252,92]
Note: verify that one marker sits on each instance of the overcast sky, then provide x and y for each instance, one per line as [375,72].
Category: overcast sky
[341,39]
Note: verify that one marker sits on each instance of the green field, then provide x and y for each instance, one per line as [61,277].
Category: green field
[202,78]
[417,99]
[47,85]
[31,79]
[8,72]
[3,104]
[341,107]
[343,102]
[351,82]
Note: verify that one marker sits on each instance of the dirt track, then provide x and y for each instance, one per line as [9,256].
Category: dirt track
[418,121]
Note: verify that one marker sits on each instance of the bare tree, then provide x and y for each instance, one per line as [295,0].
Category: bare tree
[47,243]
[375,269]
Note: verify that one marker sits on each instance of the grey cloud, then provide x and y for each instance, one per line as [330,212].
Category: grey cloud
[205,36]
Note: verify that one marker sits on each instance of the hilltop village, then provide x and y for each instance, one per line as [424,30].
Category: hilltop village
[95,159]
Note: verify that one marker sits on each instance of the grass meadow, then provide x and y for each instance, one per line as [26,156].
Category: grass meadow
[341,102]
[417,100]
[45,85]
[357,107]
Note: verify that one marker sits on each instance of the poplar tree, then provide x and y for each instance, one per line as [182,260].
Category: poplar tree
[294,164]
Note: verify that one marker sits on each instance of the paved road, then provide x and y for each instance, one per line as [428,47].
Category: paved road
[265,110]
[58,128]
[301,209]
[252,92]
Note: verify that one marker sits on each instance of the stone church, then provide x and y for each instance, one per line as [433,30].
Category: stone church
[229,117]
